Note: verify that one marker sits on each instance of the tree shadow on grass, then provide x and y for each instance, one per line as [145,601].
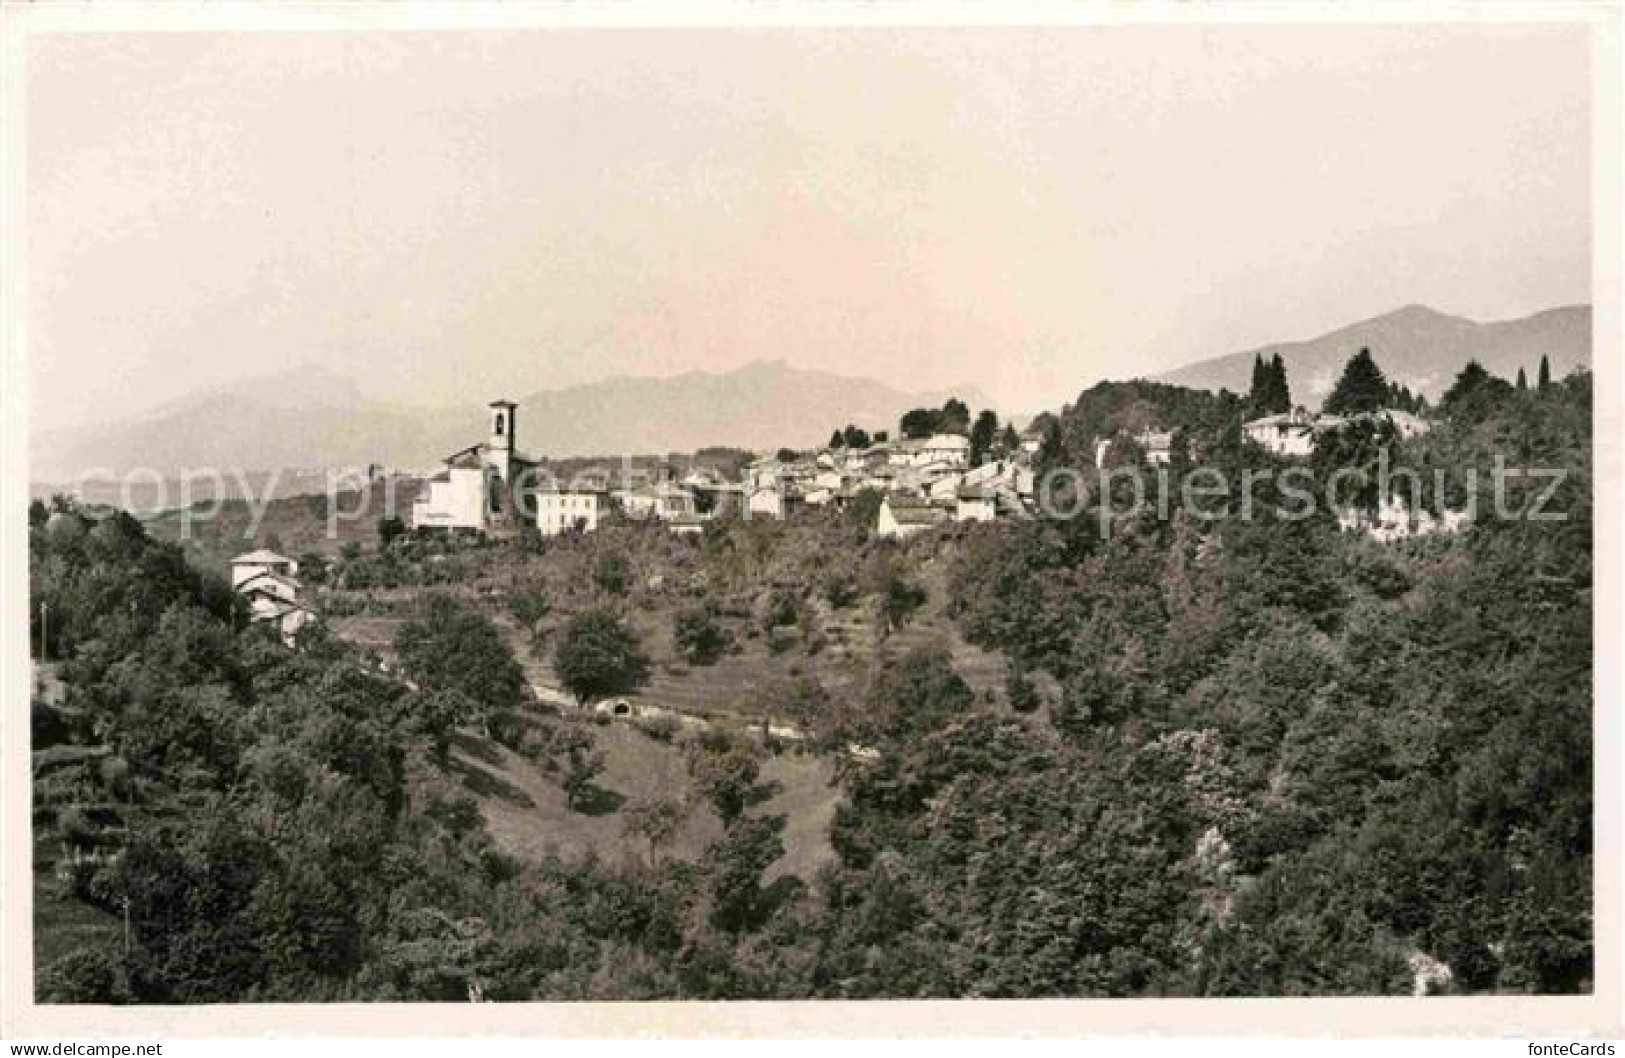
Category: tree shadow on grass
[476,746]
[763,792]
[596,801]
[483,783]
[781,892]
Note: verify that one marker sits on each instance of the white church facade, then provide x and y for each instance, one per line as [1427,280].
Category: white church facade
[482,488]
[493,488]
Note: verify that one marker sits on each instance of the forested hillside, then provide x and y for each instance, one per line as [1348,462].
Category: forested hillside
[1220,757]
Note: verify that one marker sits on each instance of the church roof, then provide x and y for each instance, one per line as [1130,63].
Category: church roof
[466,459]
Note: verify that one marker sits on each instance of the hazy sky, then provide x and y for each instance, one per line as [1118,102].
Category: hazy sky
[451,216]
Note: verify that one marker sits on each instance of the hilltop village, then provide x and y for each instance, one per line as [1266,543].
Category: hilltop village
[493,488]
[942,469]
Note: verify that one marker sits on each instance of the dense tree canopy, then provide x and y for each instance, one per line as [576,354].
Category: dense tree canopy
[1474,395]
[1361,388]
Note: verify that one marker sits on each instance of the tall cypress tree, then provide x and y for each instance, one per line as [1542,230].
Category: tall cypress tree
[1269,393]
[1362,387]
[1280,392]
[1523,382]
[1545,372]
[983,432]
[1256,396]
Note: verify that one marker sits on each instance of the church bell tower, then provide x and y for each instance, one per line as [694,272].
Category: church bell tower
[499,467]
[503,421]
[502,424]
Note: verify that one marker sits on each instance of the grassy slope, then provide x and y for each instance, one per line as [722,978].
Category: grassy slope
[526,812]
[298,524]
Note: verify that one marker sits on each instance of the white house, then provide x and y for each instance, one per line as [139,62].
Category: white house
[255,563]
[976,503]
[951,449]
[266,581]
[1158,446]
[560,510]
[703,479]
[903,452]
[773,502]
[664,501]
[762,473]
[904,516]
[1289,433]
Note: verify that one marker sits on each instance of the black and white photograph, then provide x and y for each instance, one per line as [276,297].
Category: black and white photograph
[544,512]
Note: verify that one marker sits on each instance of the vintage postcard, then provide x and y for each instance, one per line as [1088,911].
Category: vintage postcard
[811,520]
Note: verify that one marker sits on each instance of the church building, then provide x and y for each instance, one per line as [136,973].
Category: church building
[483,487]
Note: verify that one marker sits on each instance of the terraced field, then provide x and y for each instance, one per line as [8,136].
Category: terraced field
[721,691]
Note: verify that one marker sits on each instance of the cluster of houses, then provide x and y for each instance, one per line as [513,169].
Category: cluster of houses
[923,481]
[491,487]
[270,584]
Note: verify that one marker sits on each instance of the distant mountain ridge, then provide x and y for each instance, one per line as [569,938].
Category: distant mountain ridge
[1416,345]
[311,417]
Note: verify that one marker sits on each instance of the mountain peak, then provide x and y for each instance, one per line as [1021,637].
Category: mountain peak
[1419,313]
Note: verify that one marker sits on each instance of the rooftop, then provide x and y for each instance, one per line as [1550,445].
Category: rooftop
[262,557]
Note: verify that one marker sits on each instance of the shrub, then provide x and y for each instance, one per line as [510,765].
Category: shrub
[698,635]
[661,728]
